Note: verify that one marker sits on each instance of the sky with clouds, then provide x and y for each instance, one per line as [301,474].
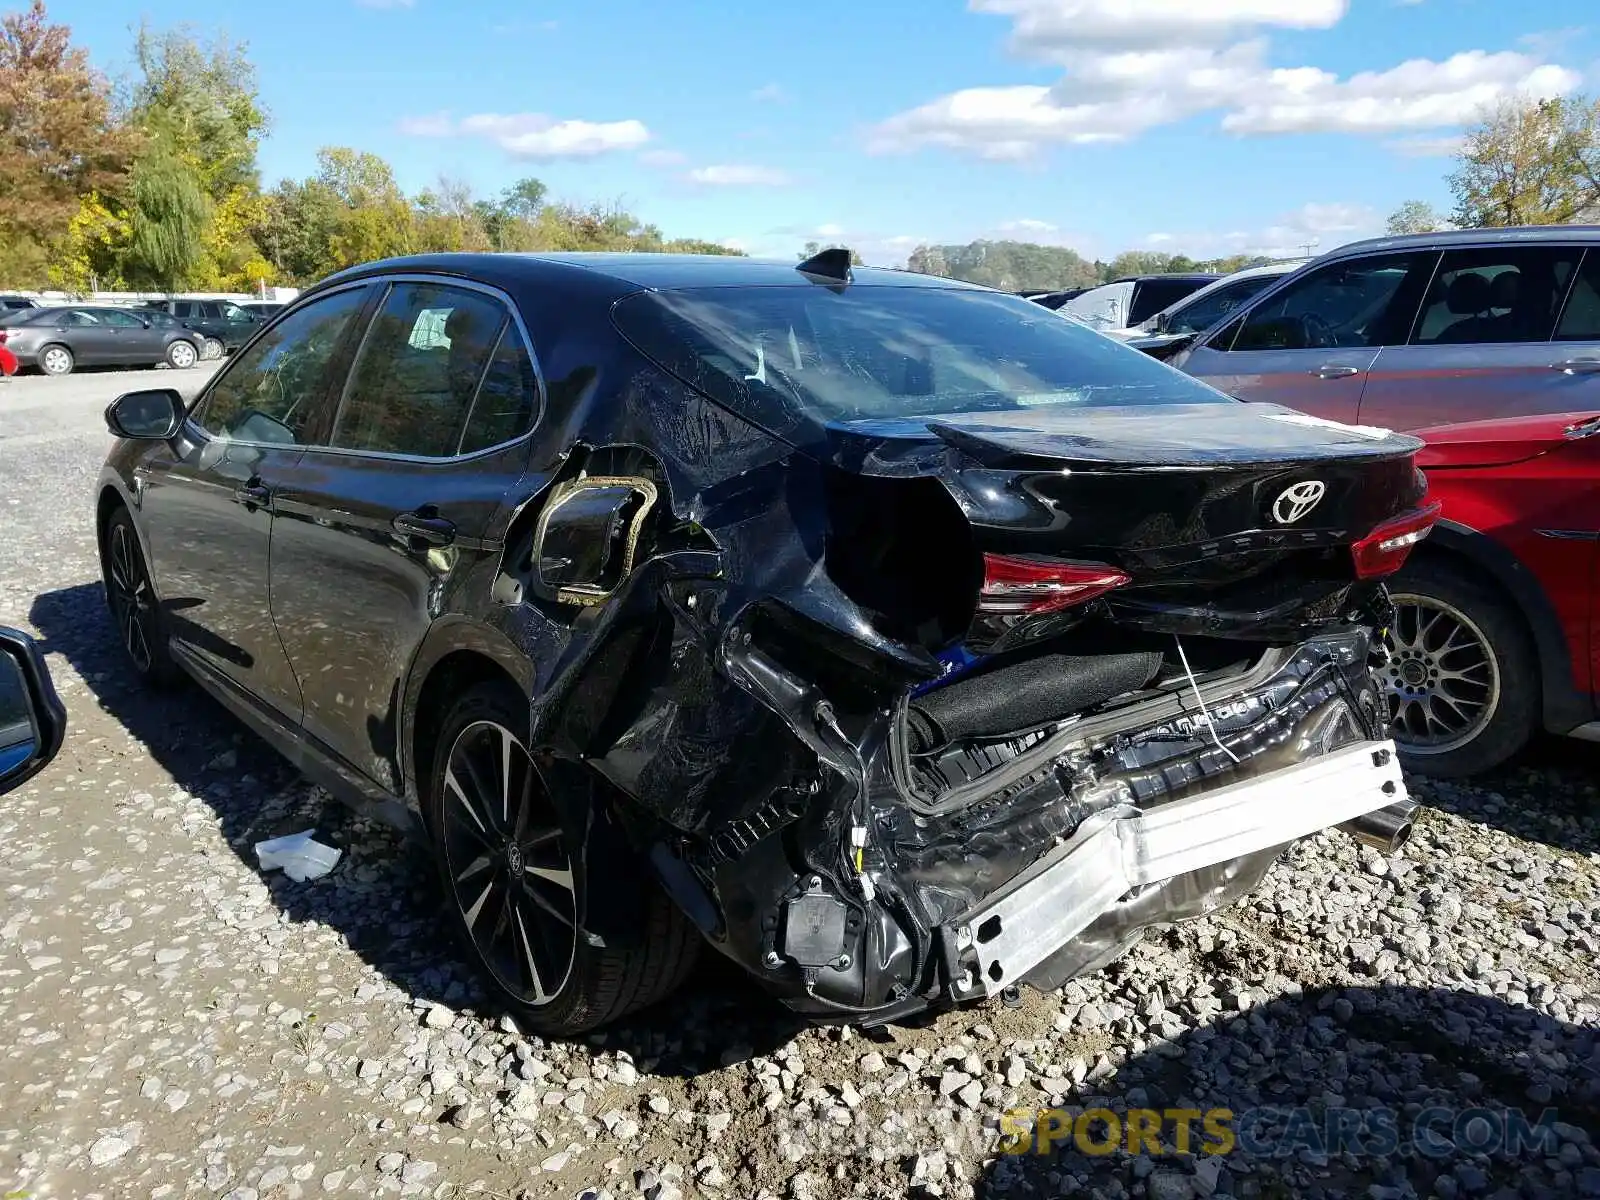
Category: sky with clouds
[1199,126]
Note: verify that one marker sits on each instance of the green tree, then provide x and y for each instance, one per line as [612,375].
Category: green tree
[1416,216]
[1010,266]
[204,99]
[59,142]
[1530,163]
[167,219]
[1141,262]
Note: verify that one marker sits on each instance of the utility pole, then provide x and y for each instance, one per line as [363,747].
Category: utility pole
[1311,245]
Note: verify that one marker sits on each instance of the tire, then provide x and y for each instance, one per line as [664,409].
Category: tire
[56,360]
[181,355]
[572,985]
[132,601]
[210,350]
[1463,676]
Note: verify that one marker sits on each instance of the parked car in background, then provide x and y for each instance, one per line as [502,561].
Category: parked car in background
[223,325]
[59,339]
[16,303]
[262,309]
[679,598]
[1200,310]
[1053,300]
[1429,329]
[1496,633]
[1133,299]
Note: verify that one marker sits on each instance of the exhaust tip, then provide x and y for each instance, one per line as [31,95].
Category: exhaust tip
[1385,829]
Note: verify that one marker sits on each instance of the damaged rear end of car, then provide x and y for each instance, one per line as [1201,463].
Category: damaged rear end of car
[1016,644]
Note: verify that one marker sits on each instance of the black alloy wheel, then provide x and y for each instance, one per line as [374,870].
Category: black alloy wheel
[132,601]
[520,887]
[510,875]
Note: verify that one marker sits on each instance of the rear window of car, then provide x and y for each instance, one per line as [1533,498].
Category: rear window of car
[787,355]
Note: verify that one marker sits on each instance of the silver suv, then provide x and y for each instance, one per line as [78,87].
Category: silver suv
[1408,332]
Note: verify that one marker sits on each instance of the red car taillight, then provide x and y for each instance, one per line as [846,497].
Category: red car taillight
[1030,586]
[1384,550]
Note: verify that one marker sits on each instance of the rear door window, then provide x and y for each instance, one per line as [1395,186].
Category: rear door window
[1206,311]
[1496,294]
[1352,303]
[1580,319]
[442,371]
[1151,296]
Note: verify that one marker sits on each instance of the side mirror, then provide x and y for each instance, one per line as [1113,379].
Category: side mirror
[588,536]
[155,414]
[1163,322]
[32,720]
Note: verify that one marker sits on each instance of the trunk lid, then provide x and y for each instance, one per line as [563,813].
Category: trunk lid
[1193,436]
[1228,519]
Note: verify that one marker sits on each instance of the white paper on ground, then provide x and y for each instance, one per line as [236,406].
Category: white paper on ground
[300,855]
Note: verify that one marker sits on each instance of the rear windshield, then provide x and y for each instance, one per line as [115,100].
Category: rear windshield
[786,356]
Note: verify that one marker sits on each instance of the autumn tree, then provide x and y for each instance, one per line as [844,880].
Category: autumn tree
[1530,163]
[58,141]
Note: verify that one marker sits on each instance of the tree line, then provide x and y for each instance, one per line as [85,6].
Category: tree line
[1028,267]
[153,183]
[1526,162]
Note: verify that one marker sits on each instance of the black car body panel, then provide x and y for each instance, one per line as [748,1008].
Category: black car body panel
[755,639]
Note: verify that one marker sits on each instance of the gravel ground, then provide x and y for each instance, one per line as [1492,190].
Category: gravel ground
[181,1024]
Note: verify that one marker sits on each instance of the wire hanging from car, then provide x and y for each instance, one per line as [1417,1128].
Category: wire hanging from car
[1205,713]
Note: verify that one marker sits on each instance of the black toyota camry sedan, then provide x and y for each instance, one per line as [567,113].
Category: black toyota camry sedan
[896,638]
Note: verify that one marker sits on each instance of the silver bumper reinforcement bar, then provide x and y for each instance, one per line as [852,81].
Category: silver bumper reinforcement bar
[1117,851]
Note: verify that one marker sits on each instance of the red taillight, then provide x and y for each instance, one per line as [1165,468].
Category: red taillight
[1384,550]
[1029,586]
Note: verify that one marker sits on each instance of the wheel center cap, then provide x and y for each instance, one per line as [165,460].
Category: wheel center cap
[1414,673]
[514,858]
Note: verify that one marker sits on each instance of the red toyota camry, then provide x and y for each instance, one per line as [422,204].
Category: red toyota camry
[1494,634]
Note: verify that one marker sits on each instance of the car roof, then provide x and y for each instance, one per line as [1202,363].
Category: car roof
[626,272]
[1182,276]
[1444,239]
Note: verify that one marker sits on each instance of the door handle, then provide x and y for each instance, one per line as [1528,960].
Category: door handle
[253,495]
[1579,366]
[1336,372]
[436,531]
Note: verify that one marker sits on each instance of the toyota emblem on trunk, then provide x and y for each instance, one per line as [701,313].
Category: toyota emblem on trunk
[1296,500]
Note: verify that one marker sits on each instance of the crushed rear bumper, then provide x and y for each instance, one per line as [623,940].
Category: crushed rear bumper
[1126,869]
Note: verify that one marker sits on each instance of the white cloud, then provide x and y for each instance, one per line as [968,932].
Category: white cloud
[1133,65]
[771,93]
[534,135]
[1049,28]
[1321,226]
[738,175]
[1418,94]
[663,158]
[1425,147]
[1027,225]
